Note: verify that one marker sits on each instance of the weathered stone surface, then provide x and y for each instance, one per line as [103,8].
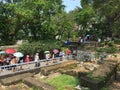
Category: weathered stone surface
[49,69]
[37,84]
[118,76]
[14,79]
[85,56]
[92,84]
[100,76]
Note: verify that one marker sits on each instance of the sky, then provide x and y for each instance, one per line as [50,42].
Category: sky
[71,4]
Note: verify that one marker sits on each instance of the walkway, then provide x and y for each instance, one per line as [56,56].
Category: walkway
[22,67]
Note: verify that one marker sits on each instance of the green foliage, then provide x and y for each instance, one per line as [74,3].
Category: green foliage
[110,48]
[110,44]
[102,44]
[34,47]
[62,81]
[74,66]
[118,68]
[44,19]
[117,41]
[101,50]
[99,78]
[28,18]
[104,88]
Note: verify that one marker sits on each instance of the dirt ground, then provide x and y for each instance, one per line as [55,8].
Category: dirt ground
[115,85]
[20,86]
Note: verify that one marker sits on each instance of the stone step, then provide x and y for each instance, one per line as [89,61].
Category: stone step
[14,79]
[37,85]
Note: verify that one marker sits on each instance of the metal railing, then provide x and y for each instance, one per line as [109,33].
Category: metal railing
[7,69]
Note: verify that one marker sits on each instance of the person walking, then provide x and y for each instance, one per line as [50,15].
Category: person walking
[36,60]
[27,60]
[12,63]
[68,52]
[47,57]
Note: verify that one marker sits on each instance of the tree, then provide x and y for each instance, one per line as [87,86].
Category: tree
[100,17]
[31,18]
[110,11]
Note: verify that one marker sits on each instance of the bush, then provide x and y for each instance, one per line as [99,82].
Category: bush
[111,49]
[110,44]
[117,41]
[108,49]
[34,47]
[101,50]
[102,44]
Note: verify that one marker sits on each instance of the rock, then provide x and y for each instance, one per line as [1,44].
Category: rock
[78,87]
[91,68]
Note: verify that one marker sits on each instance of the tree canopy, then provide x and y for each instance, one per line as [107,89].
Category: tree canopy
[100,16]
[36,20]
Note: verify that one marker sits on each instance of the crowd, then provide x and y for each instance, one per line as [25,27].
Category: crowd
[10,59]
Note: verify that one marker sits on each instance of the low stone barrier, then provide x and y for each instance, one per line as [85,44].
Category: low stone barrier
[37,85]
[14,79]
[53,68]
[101,76]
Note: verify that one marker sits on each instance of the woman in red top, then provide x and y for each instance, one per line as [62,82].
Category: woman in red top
[27,58]
[68,52]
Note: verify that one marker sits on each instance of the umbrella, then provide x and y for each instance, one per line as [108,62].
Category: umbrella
[10,51]
[87,35]
[47,52]
[55,51]
[18,54]
[2,52]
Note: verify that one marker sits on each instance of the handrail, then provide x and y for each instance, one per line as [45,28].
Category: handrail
[6,69]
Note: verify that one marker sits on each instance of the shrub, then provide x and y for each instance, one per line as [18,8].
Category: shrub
[110,44]
[101,50]
[112,49]
[34,47]
[102,44]
[117,41]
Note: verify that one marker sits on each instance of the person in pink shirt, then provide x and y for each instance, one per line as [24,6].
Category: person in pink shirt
[27,58]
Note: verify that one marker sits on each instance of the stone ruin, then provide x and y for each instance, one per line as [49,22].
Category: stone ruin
[85,56]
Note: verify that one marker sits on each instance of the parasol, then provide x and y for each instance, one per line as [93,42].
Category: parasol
[47,52]
[18,54]
[10,51]
[55,51]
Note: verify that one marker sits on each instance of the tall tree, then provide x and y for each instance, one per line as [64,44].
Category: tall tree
[109,9]
[30,17]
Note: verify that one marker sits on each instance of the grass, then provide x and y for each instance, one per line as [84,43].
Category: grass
[64,82]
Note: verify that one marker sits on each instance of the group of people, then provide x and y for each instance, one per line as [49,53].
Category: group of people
[10,59]
[54,54]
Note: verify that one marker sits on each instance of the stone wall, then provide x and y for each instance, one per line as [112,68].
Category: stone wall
[100,76]
[85,56]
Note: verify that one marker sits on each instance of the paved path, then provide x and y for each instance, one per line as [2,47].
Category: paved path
[29,66]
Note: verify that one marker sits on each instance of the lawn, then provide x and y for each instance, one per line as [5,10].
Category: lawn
[64,82]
